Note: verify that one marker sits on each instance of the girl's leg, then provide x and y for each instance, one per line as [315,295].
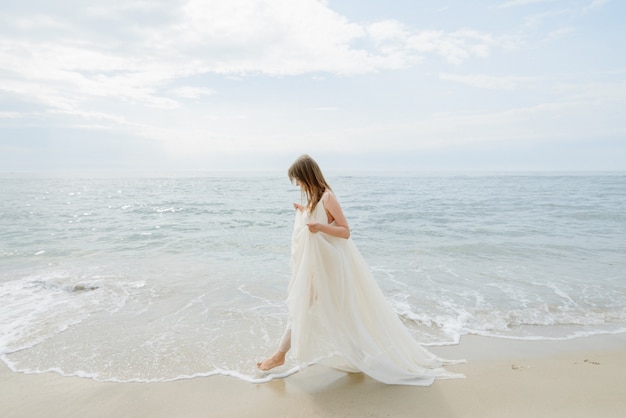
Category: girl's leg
[285,341]
[278,358]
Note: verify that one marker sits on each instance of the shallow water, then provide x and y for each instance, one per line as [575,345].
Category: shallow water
[148,279]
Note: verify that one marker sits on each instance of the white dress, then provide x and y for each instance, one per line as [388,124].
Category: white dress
[339,316]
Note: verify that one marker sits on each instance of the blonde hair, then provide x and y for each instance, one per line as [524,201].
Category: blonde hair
[308,173]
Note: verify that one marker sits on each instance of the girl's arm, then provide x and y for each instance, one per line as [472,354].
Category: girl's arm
[340,229]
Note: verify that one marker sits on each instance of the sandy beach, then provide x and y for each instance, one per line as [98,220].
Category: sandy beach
[505,378]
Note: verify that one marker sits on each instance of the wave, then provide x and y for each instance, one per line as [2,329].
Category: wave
[260,377]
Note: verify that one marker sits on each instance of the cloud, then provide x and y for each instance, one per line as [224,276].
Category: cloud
[98,62]
[595,4]
[594,93]
[61,76]
[387,30]
[9,115]
[487,81]
[238,37]
[190,92]
[455,46]
[515,3]
[92,55]
[529,124]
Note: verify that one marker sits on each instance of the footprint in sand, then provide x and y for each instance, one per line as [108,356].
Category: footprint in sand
[592,362]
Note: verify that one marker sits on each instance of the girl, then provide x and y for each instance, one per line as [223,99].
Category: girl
[338,316]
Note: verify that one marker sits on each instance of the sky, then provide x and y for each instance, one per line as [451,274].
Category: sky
[403,85]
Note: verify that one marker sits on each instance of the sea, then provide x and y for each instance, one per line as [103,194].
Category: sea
[150,278]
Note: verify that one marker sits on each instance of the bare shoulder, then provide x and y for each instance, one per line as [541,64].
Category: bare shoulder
[331,203]
[335,213]
[329,197]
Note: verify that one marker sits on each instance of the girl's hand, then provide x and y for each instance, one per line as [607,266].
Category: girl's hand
[314,227]
[299,207]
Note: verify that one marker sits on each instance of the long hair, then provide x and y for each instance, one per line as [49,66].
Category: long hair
[308,173]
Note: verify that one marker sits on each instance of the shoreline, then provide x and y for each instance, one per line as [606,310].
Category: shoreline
[581,377]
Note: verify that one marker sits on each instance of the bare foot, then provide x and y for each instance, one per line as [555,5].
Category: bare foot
[277,359]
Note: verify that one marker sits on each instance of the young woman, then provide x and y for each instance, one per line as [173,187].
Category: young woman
[338,316]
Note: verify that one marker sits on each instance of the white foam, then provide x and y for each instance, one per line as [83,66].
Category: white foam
[445,321]
[260,377]
[569,336]
[39,307]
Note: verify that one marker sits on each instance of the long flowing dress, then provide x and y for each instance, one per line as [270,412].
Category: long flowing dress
[339,316]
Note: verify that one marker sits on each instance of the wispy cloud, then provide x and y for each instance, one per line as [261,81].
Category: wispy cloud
[10,115]
[456,46]
[68,58]
[558,33]
[480,128]
[514,3]
[488,81]
[595,4]
[238,37]
[190,92]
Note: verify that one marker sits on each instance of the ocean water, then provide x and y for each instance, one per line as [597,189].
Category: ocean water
[171,277]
